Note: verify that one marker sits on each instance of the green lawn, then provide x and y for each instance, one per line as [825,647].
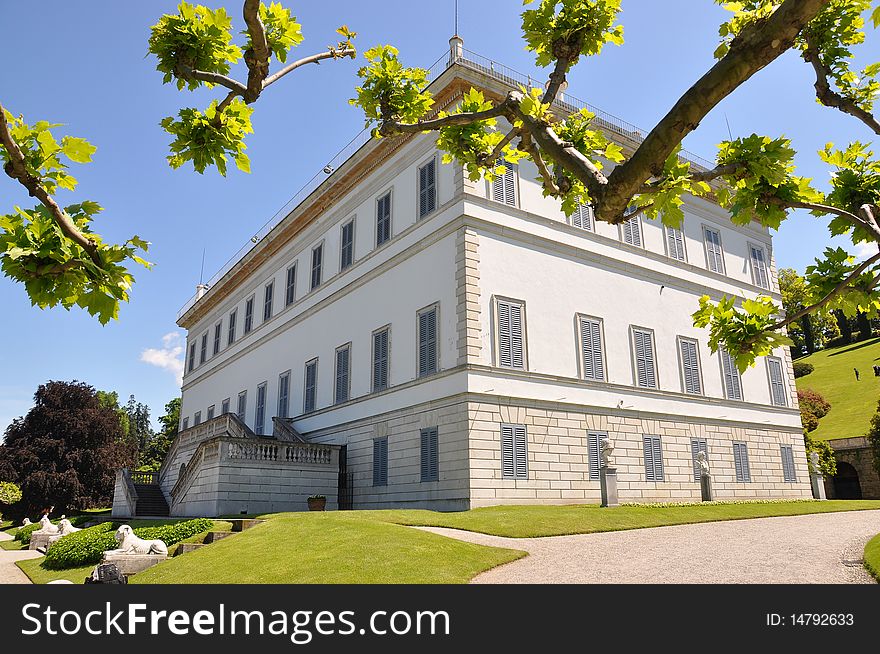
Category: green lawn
[39,575]
[11,545]
[872,557]
[852,402]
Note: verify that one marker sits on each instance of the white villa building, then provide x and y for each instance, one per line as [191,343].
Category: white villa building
[404,337]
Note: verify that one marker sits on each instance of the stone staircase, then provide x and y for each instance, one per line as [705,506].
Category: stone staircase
[150,501]
[213,536]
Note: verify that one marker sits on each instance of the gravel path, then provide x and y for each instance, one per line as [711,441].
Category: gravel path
[9,572]
[818,548]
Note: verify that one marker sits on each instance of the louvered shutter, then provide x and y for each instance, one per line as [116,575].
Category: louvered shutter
[645,370]
[504,347]
[380,360]
[510,335]
[516,336]
[383,219]
[714,254]
[242,405]
[583,217]
[593,458]
[675,243]
[347,250]
[260,417]
[519,440]
[741,462]
[290,294]
[380,462]
[648,450]
[658,458]
[230,336]
[428,342]
[759,267]
[788,471]
[342,373]
[508,470]
[427,189]
[311,387]
[777,387]
[632,232]
[429,462]
[732,382]
[504,187]
[224,407]
[698,445]
[317,264]
[591,349]
[284,395]
[210,412]
[690,364]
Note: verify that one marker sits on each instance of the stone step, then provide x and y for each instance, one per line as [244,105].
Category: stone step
[183,548]
[240,524]
[214,536]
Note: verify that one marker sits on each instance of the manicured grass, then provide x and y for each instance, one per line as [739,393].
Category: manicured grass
[12,545]
[39,575]
[872,557]
[329,547]
[533,521]
[852,402]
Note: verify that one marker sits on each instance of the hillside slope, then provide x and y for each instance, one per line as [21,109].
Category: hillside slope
[852,402]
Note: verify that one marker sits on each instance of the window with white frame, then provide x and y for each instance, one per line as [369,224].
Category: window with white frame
[268,298]
[346,248]
[511,333]
[582,217]
[514,452]
[698,445]
[383,219]
[381,354]
[197,419]
[503,188]
[675,243]
[714,253]
[224,406]
[317,265]
[218,333]
[310,387]
[777,383]
[242,406]
[290,287]
[759,266]
[788,471]
[249,315]
[260,412]
[342,385]
[427,328]
[645,361]
[652,447]
[284,395]
[210,412]
[689,357]
[230,330]
[730,373]
[427,188]
[631,231]
[592,356]
[741,462]
[380,461]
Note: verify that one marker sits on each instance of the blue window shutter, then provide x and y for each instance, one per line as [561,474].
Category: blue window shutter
[428,342]
[732,382]
[380,462]
[230,336]
[380,360]
[383,219]
[429,460]
[508,469]
[593,457]
[290,291]
[427,189]
[311,387]
[777,386]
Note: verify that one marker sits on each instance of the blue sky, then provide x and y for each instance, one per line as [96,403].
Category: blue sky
[83,64]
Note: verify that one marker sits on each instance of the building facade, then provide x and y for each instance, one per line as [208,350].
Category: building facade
[459,344]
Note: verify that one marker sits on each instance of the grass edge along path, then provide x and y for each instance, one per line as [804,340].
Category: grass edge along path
[872,557]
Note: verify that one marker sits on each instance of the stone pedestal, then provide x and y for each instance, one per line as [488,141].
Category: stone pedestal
[608,484]
[818,484]
[706,488]
[39,540]
[130,564]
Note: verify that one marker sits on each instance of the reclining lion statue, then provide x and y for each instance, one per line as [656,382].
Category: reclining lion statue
[46,526]
[65,527]
[129,543]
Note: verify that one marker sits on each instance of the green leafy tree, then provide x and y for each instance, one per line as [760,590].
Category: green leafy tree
[140,430]
[9,493]
[812,331]
[814,407]
[152,456]
[873,437]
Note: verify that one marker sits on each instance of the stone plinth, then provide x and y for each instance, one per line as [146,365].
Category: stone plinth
[130,564]
[706,488]
[40,541]
[818,486]
[608,485]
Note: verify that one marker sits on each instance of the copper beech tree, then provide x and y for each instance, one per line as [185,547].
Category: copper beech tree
[754,177]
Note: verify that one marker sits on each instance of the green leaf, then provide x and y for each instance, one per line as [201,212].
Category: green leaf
[77,149]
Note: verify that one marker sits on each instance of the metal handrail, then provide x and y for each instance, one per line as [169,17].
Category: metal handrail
[470,59]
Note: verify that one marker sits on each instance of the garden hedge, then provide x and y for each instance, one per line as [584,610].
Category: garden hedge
[24,533]
[87,547]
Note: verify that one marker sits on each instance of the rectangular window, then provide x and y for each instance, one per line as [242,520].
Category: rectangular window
[428,342]
[514,453]
[511,350]
[224,406]
[185,423]
[343,374]
[249,315]
[427,189]
[192,357]
[594,458]
[284,395]
[732,381]
[383,219]
[197,419]
[593,365]
[582,217]
[643,346]
[218,332]
[203,351]
[741,462]
[714,253]
[310,388]
[242,406]
[429,457]
[689,357]
[759,267]
[230,331]
[675,243]
[346,256]
[290,288]
[653,450]
[631,231]
[260,413]
[317,262]
[210,412]
[380,461]
[777,386]
[268,297]
[380,359]
[788,473]
[503,189]
[698,445]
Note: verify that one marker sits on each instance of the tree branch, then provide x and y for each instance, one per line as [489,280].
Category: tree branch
[390,127]
[257,56]
[333,53]
[753,49]
[527,143]
[826,94]
[493,156]
[16,168]
[188,73]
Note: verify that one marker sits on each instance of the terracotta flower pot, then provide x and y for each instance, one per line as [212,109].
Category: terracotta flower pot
[317,503]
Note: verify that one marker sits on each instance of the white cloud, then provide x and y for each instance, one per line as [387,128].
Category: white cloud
[865,250]
[169,357]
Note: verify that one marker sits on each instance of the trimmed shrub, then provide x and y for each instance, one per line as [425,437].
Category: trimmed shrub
[86,547]
[24,533]
[9,493]
[802,368]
